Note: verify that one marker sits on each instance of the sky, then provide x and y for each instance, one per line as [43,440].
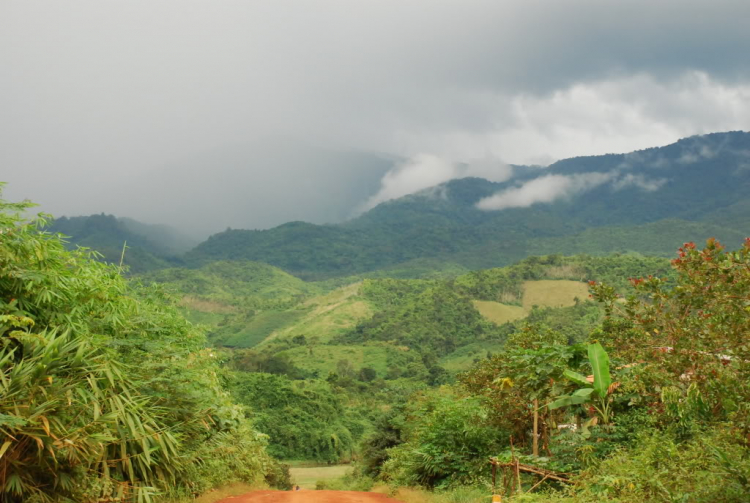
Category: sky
[246,114]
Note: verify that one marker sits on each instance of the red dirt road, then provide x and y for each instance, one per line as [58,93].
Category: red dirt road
[309,497]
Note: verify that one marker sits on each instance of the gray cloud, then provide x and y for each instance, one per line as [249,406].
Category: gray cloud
[100,99]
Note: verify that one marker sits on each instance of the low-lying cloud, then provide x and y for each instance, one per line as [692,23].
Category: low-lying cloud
[640,181]
[424,171]
[551,188]
[545,189]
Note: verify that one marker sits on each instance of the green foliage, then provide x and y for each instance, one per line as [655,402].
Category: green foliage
[448,441]
[304,420]
[107,390]
[240,284]
[679,354]
[388,431]
[598,391]
[70,413]
[693,333]
[661,469]
[438,319]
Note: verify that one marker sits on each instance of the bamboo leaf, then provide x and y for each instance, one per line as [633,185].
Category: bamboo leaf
[5,447]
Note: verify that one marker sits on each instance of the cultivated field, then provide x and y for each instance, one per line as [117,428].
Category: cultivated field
[542,293]
[499,313]
[553,293]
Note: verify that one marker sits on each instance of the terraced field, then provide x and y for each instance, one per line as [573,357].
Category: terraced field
[542,293]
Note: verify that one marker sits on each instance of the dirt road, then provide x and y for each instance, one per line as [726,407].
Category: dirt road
[309,497]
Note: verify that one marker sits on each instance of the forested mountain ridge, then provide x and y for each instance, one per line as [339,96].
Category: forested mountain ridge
[699,180]
[147,246]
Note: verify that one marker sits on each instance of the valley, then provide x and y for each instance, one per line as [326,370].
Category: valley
[404,347]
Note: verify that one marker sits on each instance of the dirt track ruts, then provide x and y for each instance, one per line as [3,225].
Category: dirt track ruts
[309,497]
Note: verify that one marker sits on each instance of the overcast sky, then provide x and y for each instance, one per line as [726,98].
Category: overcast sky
[99,99]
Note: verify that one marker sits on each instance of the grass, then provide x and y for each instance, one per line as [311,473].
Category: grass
[328,315]
[325,358]
[456,495]
[499,313]
[260,327]
[542,293]
[553,293]
[307,476]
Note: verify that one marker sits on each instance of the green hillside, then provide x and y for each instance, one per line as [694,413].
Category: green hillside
[141,247]
[374,342]
[657,199]
[238,283]
[393,372]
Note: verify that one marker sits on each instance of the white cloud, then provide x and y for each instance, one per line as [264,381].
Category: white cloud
[424,171]
[544,189]
[640,181]
[613,115]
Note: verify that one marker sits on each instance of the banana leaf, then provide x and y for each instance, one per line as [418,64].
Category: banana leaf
[580,396]
[600,364]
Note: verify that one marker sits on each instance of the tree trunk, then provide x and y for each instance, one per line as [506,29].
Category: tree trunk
[535,440]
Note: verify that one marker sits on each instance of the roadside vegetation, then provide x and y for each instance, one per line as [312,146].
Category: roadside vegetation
[634,370]
[652,406]
[107,392]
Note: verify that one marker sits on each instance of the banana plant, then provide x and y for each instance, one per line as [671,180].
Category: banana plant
[596,393]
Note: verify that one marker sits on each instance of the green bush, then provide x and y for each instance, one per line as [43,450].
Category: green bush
[448,441]
[107,392]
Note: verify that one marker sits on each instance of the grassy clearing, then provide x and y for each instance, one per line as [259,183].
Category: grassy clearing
[499,313]
[553,293]
[306,477]
[328,315]
[261,326]
[542,293]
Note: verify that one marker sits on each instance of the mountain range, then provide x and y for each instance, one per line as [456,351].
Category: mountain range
[649,201]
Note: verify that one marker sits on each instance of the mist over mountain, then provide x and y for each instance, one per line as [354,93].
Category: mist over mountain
[478,223]
[139,246]
[257,185]
[648,201]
